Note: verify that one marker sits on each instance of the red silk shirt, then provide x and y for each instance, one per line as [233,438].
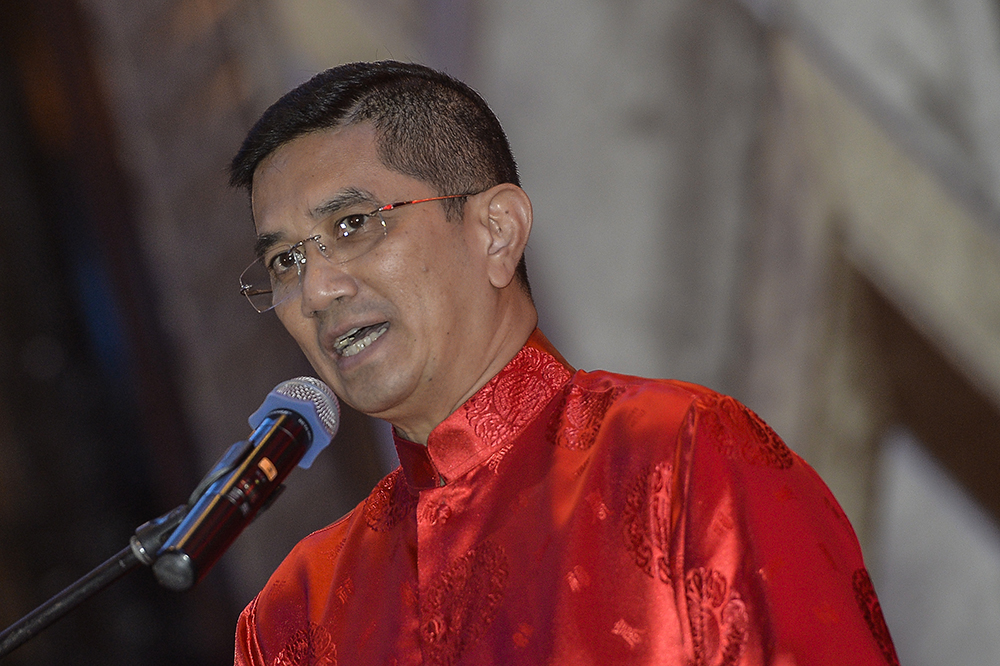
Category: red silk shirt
[577,518]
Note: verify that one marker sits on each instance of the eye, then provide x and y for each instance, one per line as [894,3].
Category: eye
[350,225]
[284,264]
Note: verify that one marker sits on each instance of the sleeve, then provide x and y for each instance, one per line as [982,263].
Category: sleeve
[248,651]
[772,570]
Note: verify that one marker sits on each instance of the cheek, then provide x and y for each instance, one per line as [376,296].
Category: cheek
[296,327]
[407,277]
[430,280]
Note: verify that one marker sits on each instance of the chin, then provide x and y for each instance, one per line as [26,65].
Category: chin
[373,402]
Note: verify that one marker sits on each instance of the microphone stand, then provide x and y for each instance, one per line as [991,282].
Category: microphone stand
[141,550]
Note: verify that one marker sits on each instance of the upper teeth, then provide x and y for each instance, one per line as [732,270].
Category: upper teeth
[346,345]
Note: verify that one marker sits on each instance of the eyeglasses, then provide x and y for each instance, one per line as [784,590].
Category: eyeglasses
[276,276]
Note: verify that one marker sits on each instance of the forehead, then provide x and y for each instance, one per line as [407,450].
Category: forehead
[307,171]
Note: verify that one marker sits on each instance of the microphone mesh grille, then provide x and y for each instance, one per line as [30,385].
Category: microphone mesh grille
[319,394]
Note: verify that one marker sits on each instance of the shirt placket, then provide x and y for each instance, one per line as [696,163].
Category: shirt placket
[437,548]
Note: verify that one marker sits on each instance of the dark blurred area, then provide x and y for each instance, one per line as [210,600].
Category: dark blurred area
[94,440]
[95,435]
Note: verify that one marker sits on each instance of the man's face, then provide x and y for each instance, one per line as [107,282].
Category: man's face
[421,297]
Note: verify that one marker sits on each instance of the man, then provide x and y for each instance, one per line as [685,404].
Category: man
[540,515]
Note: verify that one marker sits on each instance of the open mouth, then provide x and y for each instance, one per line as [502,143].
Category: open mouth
[356,339]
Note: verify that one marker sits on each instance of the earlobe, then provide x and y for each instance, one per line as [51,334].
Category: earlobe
[509,225]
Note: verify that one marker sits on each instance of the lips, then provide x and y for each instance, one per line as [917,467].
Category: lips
[356,339]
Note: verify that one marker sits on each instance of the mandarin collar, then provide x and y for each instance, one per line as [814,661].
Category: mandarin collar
[491,419]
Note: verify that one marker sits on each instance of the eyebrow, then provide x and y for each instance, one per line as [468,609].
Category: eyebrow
[351,196]
[265,242]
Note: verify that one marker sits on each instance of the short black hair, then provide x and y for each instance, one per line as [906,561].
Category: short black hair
[428,125]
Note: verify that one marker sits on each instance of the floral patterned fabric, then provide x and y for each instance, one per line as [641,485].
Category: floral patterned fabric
[579,518]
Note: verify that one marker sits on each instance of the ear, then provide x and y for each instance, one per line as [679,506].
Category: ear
[508,224]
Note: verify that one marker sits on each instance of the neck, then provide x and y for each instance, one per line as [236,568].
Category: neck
[512,328]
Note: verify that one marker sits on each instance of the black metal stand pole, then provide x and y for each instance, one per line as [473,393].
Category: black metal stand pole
[67,600]
[141,550]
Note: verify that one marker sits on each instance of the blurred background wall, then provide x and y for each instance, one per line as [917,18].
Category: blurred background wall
[792,201]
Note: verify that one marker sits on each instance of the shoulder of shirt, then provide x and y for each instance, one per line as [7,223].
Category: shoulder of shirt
[661,400]
[327,536]
[634,404]
[596,380]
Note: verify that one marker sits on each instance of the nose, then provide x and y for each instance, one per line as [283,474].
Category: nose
[323,282]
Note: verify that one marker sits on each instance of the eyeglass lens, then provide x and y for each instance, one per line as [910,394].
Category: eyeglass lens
[276,276]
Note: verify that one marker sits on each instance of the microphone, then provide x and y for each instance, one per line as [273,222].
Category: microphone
[296,421]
